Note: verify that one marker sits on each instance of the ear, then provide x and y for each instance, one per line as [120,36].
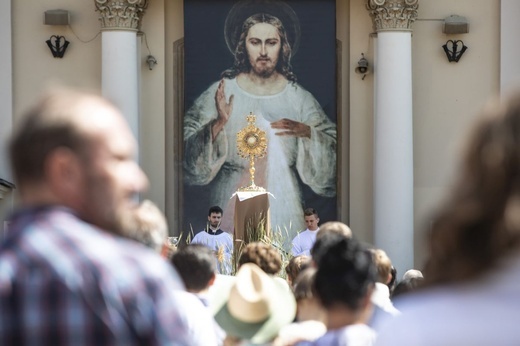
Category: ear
[388,279]
[64,173]
[212,280]
[367,299]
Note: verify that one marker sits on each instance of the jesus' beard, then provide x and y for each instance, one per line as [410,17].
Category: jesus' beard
[264,71]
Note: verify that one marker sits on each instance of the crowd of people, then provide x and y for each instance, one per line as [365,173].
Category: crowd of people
[84,263]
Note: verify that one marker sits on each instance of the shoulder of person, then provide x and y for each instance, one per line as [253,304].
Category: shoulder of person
[199,236]
[227,235]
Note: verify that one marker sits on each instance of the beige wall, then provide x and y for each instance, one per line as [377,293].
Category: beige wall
[447,96]
[174,31]
[361,124]
[34,69]
[33,65]
[154,96]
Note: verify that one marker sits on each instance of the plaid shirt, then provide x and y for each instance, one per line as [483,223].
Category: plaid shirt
[65,282]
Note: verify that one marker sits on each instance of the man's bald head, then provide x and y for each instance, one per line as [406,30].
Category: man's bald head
[58,120]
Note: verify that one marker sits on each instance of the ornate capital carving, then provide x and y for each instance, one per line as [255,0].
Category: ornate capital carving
[392,14]
[121,14]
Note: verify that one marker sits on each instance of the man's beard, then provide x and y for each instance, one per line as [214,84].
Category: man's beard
[265,71]
[106,212]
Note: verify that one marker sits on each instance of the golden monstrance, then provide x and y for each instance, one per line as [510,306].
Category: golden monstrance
[251,144]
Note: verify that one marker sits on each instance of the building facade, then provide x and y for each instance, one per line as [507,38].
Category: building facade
[402,125]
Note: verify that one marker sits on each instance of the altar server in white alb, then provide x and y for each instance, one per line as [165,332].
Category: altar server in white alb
[304,241]
[215,238]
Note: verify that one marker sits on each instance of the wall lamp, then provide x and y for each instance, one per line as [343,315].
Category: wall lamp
[57,17]
[362,67]
[151,61]
[454,49]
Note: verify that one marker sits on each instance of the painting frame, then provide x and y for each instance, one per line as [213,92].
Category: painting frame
[174,137]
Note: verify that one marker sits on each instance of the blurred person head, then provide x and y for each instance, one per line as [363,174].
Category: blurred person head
[263,255]
[345,279]
[295,266]
[197,266]
[479,224]
[412,273]
[308,304]
[311,317]
[64,152]
[383,265]
[335,227]
[333,231]
[152,228]
[407,285]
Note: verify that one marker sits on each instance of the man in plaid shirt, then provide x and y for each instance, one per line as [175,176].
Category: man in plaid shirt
[67,275]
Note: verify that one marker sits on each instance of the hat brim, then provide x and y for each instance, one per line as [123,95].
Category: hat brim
[282,308]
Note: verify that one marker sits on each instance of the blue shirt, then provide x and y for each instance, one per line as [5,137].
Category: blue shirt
[65,282]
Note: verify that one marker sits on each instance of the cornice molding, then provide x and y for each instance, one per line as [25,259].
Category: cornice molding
[121,14]
[392,15]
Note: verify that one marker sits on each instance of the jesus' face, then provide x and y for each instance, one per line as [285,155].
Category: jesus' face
[263,46]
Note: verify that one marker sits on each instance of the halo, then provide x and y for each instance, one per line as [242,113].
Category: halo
[246,8]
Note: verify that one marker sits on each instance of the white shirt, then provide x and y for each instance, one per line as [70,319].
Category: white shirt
[196,318]
[217,242]
[383,307]
[351,335]
[303,242]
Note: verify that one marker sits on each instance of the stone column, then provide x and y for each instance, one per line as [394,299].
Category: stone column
[393,132]
[509,47]
[6,115]
[6,86]
[120,22]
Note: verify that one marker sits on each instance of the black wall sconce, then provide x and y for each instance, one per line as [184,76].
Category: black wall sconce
[55,44]
[57,49]
[362,67]
[454,25]
[453,50]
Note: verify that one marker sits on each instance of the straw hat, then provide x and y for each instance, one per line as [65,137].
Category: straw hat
[253,306]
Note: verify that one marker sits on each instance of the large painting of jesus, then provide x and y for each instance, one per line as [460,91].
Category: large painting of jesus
[276,59]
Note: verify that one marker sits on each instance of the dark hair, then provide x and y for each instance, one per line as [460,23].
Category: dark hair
[215,209]
[406,286]
[263,255]
[310,212]
[295,266]
[480,222]
[196,264]
[391,284]
[304,284]
[47,126]
[346,272]
[242,64]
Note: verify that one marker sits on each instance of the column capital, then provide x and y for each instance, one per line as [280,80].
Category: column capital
[392,15]
[121,14]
